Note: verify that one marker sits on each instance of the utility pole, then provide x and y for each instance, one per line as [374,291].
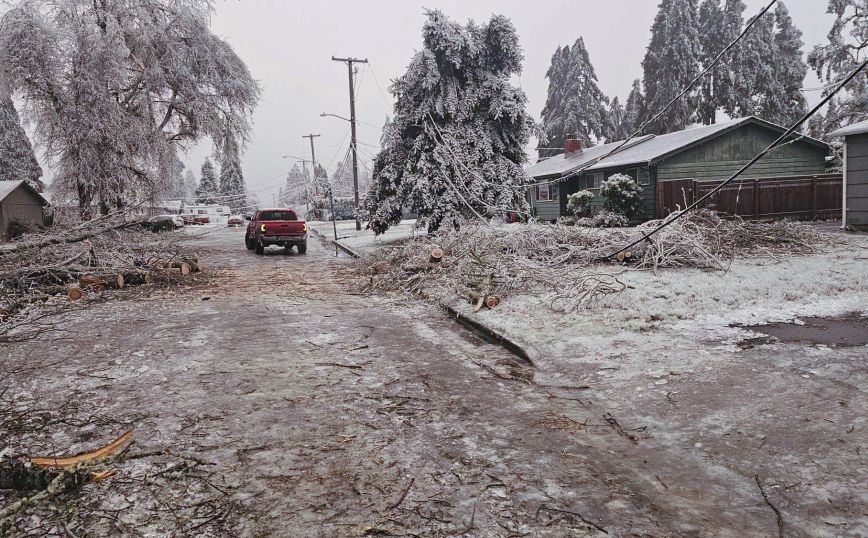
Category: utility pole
[331,196]
[350,62]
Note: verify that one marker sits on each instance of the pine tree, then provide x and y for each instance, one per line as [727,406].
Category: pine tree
[189,186]
[17,161]
[790,69]
[295,189]
[617,126]
[671,62]
[208,192]
[232,188]
[756,83]
[846,49]
[634,108]
[575,107]
[729,69]
[714,35]
[459,130]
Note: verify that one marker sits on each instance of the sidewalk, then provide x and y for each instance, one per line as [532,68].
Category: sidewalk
[363,241]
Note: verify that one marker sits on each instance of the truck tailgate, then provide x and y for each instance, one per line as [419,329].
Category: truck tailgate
[284,228]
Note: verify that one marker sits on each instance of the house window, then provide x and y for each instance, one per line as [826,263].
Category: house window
[644,178]
[543,192]
[592,181]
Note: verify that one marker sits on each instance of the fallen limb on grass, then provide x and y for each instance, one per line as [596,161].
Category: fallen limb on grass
[478,262]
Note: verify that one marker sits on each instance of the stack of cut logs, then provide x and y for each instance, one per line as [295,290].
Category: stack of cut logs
[153,271]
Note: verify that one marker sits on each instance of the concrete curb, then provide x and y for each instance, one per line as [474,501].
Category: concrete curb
[489,334]
[345,248]
[474,325]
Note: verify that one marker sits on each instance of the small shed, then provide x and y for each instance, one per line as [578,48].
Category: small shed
[855,190]
[19,203]
[700,156]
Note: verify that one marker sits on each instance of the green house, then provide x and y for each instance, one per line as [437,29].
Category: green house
[706,153]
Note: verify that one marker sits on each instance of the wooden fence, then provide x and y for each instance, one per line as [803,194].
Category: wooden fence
[797,197]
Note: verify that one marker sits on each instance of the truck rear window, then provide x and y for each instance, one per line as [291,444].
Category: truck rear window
[277,215]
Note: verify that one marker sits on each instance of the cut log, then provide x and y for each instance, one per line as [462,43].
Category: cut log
[185,269]
[491,301]
[479,303]
[436,255]
[121,281]
[74,293]
[91,281]
[621,255]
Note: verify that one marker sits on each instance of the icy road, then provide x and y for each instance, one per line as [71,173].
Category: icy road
[320,412]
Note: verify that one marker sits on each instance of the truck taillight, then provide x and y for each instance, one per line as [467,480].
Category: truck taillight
[262,227]
[305,227]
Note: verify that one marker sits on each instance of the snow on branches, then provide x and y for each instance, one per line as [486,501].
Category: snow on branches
[114,87]
[455,147]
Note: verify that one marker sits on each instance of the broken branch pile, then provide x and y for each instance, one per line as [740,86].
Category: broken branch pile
[479,263]
[43,273]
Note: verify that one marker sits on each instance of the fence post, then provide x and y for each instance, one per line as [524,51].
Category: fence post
[814,198]
[695,189]
[756,199]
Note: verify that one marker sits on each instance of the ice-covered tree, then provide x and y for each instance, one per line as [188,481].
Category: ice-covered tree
[384,134]
[575,106]
[790,69]
[232,187]
[189,186]
[208,191]
[672,61]
[756,83]
[617,124]
[634,108]
[17,161]
[846,48]
[295,189]
[113,87]
[718,27]
[456,146]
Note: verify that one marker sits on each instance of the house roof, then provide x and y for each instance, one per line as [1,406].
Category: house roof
[646,149]
[850,130]
[6,188]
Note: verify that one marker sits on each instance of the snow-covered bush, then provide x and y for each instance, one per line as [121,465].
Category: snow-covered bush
[622,195]
[605,219]
[579,203]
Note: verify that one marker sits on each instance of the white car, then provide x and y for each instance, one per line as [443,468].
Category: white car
[177,220]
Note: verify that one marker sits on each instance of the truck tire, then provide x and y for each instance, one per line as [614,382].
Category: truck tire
[249,243]
[260,248]
[302,247]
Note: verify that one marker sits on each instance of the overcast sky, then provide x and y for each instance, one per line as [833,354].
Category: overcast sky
[288,47]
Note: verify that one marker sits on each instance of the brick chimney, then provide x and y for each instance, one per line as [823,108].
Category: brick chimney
[571,147]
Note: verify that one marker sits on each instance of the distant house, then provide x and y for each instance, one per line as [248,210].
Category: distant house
[20,204]
[855,190]
[703,154]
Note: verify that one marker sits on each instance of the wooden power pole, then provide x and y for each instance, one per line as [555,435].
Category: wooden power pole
[350,62]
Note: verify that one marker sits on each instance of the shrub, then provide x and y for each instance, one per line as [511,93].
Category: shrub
[622,195]
[579,203]
[605,219]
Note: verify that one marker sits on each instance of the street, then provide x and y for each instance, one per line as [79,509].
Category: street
[325,412]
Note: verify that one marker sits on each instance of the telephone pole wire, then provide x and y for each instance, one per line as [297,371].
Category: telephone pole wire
[350,62]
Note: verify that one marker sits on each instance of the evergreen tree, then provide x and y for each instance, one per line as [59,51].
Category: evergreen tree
[189,186]
[456,148]
[790,69]
[295,188]
[846,49]
[617,127]
[756,84]
[634,108]
[17,161]
[575,107]
[728,71]
[384,134]
[321,179]
[232,188]
[208,191]
[671,62]
[713,38]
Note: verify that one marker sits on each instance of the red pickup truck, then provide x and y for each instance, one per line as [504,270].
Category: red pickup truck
[279,227]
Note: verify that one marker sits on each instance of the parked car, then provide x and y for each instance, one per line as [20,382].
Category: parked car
[162,223]
[280,227]
[191,219]
[235,220]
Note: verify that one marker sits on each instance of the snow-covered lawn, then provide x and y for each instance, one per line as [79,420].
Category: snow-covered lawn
[365,240]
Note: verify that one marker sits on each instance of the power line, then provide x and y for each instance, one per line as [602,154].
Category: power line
[774,145]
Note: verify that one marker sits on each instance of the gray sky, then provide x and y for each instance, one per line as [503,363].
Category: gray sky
[288,47]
